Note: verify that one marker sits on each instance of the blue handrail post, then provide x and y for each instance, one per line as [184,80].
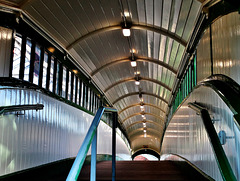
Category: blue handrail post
[78,163]
[93,158]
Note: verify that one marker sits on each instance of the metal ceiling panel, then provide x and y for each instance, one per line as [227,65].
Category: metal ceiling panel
[82,28]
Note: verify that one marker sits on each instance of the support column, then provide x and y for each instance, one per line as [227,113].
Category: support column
[115,117]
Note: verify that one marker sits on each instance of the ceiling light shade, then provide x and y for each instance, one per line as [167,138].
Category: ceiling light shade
[126,32]
[133,63]
[144,131]
[142,107]
[137,82]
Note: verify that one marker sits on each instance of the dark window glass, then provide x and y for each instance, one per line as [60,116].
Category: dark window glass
[45,65]
[74,88]
[36,64]
[64,82]
[27,60]
[57,78]
[51,74]
[69,85]
[16,57]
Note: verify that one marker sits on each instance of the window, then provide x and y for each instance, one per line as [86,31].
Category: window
[36,64]
[64,82]
[57,78]
[27,60]
[80,91]
[77,91]
[16,57]
[45,66]
[51,74]
[74,88]
[69,85]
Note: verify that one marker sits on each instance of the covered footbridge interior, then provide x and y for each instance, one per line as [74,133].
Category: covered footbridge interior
[169,69]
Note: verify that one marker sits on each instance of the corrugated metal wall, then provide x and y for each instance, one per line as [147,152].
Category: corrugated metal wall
[185,134]
[225,49]
[43,136]
[5,51]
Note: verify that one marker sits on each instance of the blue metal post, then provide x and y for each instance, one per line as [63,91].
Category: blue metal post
[78,163]
[93,158]
[115,116]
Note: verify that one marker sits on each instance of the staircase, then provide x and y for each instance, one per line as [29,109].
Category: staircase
[144,171]
[125,170]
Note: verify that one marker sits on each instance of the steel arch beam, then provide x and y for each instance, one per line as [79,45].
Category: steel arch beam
[137,93]
[137,104]
[140,78]
[150,131]
[149,134]
[147,121]
[135,27]
[145,113]
[138,59]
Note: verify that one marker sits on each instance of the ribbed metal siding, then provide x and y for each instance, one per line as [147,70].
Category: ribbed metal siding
[5,51]
[39,137]
[187,137]
[226,45]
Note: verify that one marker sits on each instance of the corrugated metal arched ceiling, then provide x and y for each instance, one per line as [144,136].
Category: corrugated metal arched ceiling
[91,32]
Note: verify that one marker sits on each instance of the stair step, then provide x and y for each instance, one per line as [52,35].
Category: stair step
[143,171]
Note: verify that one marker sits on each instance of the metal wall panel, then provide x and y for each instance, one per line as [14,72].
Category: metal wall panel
[5,51]
[203,57]
[187,137]
[39,137]
[226,45]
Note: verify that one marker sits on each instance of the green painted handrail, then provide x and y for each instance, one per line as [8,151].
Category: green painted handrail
[221,158]
[228,90]
[4,109]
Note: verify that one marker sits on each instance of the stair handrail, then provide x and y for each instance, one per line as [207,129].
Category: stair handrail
[221,158]
[82,153]
[228,90]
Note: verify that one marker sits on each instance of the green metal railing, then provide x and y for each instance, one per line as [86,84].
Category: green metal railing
[189,81]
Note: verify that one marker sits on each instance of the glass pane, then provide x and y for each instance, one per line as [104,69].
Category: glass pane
[64,82]
[57,79]
[69,85]
[45,65]
[16,57]
[77,91]
[27,60]
[51,74]
[74,88]
[36,65]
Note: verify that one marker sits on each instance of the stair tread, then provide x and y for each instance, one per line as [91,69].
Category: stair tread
[140,171]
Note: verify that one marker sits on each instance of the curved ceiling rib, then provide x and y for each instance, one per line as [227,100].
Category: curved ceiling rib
[147,121]
[137,104]
[137,93]
[138,59]
[140,113]
[149,130]
[140,78]
[134,26]
[139,131]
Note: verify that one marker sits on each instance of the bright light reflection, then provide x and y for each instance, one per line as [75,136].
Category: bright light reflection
[126,32]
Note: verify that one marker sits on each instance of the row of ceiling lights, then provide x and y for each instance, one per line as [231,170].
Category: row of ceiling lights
[126,30]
